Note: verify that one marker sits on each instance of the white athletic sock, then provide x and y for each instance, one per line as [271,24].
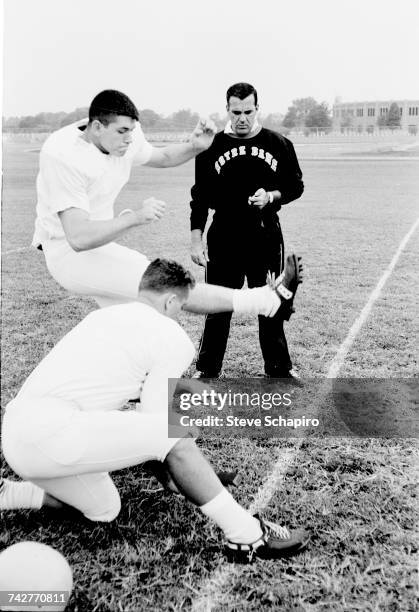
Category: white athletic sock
[238,525]
[21,495]
[258,301]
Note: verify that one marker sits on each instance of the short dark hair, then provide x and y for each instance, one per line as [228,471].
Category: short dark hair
[109,104]
[241,91]
[167,275]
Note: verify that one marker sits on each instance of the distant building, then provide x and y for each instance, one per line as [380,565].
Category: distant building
[363,116]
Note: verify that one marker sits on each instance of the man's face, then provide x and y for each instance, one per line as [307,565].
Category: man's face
[242,114]
[116,137]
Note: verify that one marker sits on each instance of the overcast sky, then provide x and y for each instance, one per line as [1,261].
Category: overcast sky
[172,54]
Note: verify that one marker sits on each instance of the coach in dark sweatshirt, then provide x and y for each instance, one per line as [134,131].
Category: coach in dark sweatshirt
[245,176]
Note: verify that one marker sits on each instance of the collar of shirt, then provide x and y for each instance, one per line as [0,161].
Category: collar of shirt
[229,130]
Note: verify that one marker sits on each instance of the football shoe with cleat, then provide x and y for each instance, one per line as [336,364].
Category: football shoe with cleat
[275,542]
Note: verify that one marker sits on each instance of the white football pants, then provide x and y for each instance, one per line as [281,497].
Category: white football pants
[110,274]
[68,452]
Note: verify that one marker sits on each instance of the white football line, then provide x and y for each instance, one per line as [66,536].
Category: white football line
[339,358]
[211,591]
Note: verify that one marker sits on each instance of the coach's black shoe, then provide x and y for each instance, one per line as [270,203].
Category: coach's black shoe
[290,376]
[275,542]
[293,377]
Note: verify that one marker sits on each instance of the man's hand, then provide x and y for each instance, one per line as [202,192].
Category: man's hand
[150,210]
[260,198]
[199,253]
[203,135]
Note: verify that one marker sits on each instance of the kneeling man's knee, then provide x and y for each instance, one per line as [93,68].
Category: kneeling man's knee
[108,513]
[184,446]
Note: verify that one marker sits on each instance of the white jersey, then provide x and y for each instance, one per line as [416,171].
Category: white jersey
[115,354]
[75,173]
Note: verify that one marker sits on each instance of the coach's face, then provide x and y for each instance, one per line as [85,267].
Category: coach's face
[116,137]
[242,114]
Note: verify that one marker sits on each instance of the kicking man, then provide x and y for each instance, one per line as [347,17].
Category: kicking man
[65,430]
[83,167]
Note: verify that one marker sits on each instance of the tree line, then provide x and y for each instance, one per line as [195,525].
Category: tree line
[304,114]
[181,120]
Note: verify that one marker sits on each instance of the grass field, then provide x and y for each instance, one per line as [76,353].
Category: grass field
[357,496]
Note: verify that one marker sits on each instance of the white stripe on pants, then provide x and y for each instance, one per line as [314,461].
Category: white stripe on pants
[68,452]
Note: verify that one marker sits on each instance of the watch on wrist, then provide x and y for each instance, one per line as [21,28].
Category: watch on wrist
[270,196]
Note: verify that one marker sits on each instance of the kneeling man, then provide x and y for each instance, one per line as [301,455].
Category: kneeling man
[65,430]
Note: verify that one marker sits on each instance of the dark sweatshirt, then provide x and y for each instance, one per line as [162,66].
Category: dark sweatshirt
[232,169]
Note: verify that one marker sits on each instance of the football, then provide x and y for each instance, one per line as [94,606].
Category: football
[34,576]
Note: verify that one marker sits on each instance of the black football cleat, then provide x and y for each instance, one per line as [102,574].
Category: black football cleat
[286,284]
[276,542]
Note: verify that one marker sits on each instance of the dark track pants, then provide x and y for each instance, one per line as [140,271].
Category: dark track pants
[223,271]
